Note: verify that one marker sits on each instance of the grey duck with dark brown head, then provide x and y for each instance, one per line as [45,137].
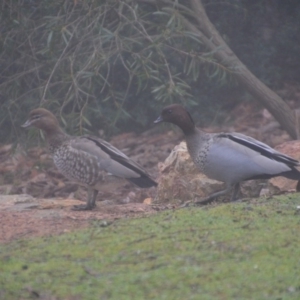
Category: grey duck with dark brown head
[84,158]
[229,157]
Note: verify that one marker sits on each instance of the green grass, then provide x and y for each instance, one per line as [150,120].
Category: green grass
[230,251]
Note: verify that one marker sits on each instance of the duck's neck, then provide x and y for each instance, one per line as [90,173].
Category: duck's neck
[186,123]
[197,142]
[188,129]
[56,137]
[189,132]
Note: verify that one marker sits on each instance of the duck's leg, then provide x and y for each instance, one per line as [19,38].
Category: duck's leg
[212,197]
[207,200]
[91,202]
[236,189]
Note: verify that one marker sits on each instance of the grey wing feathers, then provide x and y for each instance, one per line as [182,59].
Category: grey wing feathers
[120,164]
[261,148]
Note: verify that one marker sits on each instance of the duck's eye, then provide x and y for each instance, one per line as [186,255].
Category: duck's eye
[35,117]
[169,111]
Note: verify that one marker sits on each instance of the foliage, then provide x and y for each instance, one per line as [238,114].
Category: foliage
[108,64]
[90,60]
[231,251]
[263,34]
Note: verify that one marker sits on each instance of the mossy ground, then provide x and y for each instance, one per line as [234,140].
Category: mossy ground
[230,251]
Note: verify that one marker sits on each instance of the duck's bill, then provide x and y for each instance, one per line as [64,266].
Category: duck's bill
[158,120]
[27,124]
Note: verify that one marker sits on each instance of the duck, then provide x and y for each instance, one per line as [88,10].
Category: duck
[229,157]
[83,159]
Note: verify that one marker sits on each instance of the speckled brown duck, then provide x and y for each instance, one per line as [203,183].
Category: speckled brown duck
[84,158]
[229,157]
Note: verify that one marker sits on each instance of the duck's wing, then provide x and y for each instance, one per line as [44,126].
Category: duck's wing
[116,162]
[260,147]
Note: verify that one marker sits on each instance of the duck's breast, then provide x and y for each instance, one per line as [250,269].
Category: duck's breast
[78,166]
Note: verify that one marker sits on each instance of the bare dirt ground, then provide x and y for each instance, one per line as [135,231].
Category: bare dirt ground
[37,221]
[36,200]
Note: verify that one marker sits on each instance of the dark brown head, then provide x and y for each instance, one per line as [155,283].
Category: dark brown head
[178,115]
[43,119]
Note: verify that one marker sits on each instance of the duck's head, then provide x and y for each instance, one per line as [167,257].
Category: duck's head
[178,115]
[42,119]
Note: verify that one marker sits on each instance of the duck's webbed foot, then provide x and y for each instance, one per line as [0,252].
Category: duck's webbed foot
[91,203]
[83,207]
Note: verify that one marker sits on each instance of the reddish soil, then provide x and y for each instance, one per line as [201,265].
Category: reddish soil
[37,222]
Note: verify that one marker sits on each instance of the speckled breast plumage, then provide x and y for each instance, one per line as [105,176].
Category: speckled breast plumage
[77,165]
[198,151]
